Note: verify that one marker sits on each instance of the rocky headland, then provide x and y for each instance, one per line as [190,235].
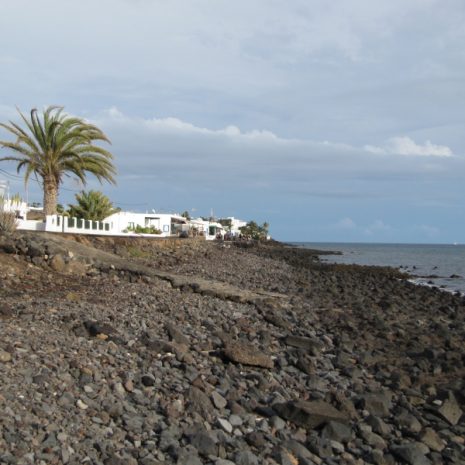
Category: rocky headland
[146,352]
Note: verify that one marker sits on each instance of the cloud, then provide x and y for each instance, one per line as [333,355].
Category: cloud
[346,223]
[377,227]
[407,146]
[159,154]
[170,147]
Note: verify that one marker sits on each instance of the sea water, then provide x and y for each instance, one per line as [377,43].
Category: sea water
[438,265]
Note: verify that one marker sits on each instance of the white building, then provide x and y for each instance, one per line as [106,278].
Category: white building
[236,224]
[209,229]
[167,224]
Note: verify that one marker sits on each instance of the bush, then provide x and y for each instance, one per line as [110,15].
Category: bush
[7,221]
[254,231]
[144,230]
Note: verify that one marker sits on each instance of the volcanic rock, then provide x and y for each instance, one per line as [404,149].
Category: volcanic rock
[309,414]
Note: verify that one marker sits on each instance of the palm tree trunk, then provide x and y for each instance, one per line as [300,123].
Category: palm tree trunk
[50,195]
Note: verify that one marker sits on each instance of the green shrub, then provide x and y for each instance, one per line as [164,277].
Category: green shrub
[143,230]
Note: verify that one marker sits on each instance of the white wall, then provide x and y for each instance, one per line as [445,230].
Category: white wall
[30,225]
[122,220]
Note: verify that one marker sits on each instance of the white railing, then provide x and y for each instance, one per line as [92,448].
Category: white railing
[65,224]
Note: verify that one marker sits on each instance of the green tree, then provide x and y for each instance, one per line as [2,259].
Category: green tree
[54,145]
[185,214]
[92,205]
[255,231]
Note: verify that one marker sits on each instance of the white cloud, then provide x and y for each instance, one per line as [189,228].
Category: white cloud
[168,151]
[173,125]
[378,227]
[346,223]
[407,146]
[306,166]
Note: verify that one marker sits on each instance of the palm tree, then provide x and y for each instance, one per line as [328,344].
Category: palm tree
[92,205]
[57,145]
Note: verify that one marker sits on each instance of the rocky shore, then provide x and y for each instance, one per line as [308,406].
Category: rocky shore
[186,352]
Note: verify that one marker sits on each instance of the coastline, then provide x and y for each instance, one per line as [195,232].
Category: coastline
[434,265]
[259,354]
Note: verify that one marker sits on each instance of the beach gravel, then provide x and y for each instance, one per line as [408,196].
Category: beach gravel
[187,352]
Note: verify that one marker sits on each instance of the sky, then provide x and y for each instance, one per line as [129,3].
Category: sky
[333,121]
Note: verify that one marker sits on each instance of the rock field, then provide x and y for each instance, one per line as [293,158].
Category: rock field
[185,352]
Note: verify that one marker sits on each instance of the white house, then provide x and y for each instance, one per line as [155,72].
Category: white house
[236,224]
[209,229]
[168,224]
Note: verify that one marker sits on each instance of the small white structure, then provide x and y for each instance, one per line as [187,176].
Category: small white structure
[236,224]
[167,224]
[209,229]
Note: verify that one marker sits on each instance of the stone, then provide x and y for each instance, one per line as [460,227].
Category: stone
[115,460]
[225,425]
[188,458]
[158,346]
[66,400]
[235,420]
[277,423]
[431,439]
[284,457]
[450,409]
[373,439]
[378,404]
[275,319]
[219,401]
[199,402]
[256,439]
[96,329]
[300,451]
[204,443]
[310,345]
[245,457]
[378,425]
[408,422]
[176,335]
[377,457]
[309,414]
[147,380]
[306,364]
[247,354]
[82,405]
[336,431]
[411,453]
[57,263]
[5,356]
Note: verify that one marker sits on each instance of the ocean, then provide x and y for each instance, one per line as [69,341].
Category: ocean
[434,265]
